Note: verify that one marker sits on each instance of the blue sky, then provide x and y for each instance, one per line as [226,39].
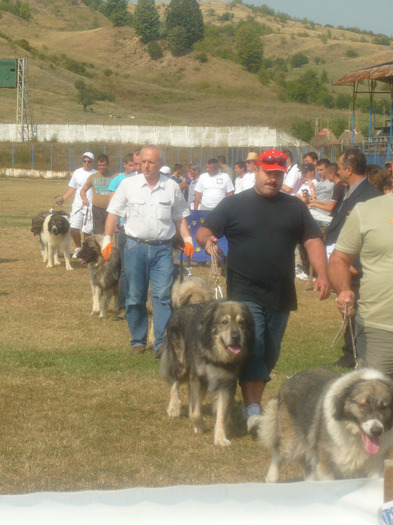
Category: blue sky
[376,16]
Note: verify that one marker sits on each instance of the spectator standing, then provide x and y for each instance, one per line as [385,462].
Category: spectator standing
[293,179]
[80,221]
[351,168]
[129,171]
[99,183]
[389,166]
[369,233]
[337,195]
[307,189]
[240,171]
[225,168]
[194,172]
[212,187]
[154,210]
[263,226]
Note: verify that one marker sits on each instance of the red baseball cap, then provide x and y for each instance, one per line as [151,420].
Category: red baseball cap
[273,160]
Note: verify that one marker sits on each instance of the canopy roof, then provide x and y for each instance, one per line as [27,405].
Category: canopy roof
[382,72]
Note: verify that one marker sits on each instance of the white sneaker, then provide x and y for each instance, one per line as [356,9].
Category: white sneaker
[75,254]
[302,276]
[251,410]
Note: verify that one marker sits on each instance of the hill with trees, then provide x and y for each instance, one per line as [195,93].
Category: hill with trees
[181,62]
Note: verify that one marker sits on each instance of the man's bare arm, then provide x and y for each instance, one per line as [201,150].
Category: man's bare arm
[317,254]
[205,238]
[287,189]
[197,200]
[323,205]
[340,278]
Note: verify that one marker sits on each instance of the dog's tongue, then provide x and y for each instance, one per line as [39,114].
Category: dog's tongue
[371,444]
[83,261]
[34,235]
[235,349]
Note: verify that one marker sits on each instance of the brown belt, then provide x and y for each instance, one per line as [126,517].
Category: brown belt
[148,243]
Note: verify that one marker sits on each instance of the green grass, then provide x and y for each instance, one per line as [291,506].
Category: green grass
[78,410]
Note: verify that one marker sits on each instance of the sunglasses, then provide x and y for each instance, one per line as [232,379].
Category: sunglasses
[274,160]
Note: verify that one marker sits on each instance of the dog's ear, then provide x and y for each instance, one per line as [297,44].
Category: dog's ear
[340,400]
[250,327]
[205,325]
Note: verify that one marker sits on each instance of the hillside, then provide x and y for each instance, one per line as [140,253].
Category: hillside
[172,90]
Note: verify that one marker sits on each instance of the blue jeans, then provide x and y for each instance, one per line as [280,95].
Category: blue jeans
[143,264]
[269,330]
[121,241]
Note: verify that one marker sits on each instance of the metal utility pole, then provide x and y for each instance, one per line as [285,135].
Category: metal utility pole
[24,126]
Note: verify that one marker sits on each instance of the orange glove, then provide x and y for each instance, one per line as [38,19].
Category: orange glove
[188,247]
[106,248]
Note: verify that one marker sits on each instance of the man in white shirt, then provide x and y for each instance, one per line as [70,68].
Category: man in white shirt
[154,210]
[293,179]
[194,173]
[212,187]
[79,219]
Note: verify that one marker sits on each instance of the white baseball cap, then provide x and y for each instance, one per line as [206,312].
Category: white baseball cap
[165,170]
[88,154]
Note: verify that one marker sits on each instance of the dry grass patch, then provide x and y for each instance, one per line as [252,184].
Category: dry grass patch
[78,410]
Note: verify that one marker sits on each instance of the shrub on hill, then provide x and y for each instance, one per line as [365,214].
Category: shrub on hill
[185,14]
[17,8]
[303,130]
[249,47]
[298,60]
[154,50]
[146,20]
[117,12]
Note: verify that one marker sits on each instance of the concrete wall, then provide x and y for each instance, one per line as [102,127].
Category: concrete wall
[177,136]
[34,174]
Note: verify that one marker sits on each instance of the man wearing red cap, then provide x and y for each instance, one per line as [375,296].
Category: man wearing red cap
[263,226]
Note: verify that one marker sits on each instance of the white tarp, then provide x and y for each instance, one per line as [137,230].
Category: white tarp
[354,502]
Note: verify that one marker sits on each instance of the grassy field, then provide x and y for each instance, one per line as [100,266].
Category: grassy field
[79,411]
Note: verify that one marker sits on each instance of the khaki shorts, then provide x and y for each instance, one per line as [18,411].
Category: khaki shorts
[375,348]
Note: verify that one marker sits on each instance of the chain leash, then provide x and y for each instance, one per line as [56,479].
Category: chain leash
[347,321]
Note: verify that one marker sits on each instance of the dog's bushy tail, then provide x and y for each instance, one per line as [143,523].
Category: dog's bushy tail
[264,427]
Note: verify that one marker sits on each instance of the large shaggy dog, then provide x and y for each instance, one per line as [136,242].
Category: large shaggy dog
[104,275]
[55,238]
[36,228]
[193,290]
[206,345]
[338,427]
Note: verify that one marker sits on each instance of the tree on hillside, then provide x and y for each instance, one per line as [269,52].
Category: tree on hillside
[188,15]
[86,95]
[249,48]
[146,20]
[117,12]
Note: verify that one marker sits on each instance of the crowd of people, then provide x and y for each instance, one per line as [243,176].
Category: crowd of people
[280,219]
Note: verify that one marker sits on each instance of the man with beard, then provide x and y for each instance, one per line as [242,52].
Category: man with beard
[263,226]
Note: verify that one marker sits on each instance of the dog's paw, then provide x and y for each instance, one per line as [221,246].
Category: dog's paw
[93,312]
[69,268]
[49,265]
[57,263]
[173,410]
[101,316]
[222,441]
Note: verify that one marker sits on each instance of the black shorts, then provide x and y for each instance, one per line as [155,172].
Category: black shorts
[99,218]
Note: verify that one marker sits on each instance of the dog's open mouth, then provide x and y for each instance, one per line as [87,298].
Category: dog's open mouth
[371,444]
[234,349]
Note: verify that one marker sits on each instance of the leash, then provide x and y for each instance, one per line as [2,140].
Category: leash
[188,268]
[89,213]
[214,277]
[347,321]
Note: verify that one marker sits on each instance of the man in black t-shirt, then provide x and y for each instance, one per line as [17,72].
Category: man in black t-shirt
[263,226]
